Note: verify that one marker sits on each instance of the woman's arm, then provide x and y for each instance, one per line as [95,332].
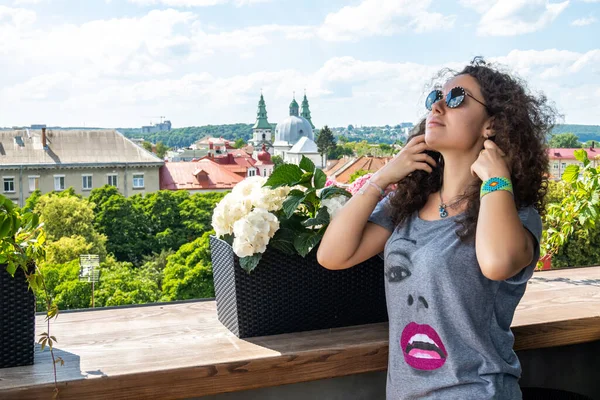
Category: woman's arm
[349,238]
[503,245]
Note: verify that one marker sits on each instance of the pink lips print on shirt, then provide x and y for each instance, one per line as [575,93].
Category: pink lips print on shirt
[422,347]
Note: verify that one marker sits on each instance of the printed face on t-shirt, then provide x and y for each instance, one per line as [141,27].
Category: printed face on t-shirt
[421,345]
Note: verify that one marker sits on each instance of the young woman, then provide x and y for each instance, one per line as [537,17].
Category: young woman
[460,236]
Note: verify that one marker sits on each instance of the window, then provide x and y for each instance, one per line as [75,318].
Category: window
[112,180]
[251,172]
[34,183]
[265,172]
[555,165]
[138,181]
[9,184]
[59,182]
[564,165]
[86,182]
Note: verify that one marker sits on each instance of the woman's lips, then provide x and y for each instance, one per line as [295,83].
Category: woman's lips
[422,347]
[433,124]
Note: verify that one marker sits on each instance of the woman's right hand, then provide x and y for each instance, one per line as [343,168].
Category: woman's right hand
[409,159]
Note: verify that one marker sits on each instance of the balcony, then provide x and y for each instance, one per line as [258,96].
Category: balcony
[181,351]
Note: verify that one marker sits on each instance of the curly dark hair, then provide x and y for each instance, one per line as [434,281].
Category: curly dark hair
[521,122]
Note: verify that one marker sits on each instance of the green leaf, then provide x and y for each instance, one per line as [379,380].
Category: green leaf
[305,180]
[284,241]
[320,179]
[5,226]
[292,201]
[306,241]
[250,262]
[307,165]
[571,173]
[581,155]
[322,218]
[332,191]
[284,175]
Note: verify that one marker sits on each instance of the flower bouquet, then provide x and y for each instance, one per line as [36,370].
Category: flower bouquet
[266,275]
[289,211]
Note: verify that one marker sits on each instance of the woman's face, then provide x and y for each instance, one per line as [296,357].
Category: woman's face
[462,128]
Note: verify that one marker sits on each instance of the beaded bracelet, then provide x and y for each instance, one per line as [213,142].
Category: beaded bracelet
[495,184]
[376,186]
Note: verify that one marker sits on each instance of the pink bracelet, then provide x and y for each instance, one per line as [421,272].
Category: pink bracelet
[381,191]
[376,186]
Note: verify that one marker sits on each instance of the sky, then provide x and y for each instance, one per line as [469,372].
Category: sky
[126,63]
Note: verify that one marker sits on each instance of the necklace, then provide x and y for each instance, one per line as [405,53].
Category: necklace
[443,206]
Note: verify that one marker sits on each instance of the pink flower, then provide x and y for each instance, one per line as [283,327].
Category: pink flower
[331,182]
[359,183]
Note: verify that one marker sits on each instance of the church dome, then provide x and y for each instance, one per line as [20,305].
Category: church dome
[264,155]
[291,129]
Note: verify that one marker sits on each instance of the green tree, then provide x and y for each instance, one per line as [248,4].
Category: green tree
[564,141]
[325,142]
[577,213]
[277,161]
[69,217]
[161,150]
[126,227]
[32,200]
[358,174]
[147,145]
[162,211]
[196,213]
[188,274]
[121,283]
[350,128]
[340,151]
[239,143]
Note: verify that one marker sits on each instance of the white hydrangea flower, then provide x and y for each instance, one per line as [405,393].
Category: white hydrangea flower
[334,204]
[269,199]
[229,210]
[246,186]
[253,232]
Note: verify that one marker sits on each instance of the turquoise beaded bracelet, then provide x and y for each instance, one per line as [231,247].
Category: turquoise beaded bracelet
[495,184]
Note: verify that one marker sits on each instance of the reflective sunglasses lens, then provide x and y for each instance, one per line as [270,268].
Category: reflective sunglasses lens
[455,97]
[434,96]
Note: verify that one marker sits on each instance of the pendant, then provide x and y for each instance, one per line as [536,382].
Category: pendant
[443,212]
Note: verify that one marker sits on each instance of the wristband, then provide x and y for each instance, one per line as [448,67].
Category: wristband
[380,190]
[495,184]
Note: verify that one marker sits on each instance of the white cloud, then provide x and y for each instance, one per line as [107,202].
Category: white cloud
[584,21]
[514,17]
[382,17]
[480,6]
[24,2]
[196,3]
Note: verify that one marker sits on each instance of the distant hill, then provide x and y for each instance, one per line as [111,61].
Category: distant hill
[184,137]
[584,132]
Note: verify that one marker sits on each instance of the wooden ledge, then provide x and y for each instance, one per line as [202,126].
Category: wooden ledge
[180,350]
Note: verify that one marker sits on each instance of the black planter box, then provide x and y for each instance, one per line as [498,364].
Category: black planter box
[292,294]
[17,320]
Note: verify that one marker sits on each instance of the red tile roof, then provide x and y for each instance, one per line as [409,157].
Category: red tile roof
[569,154]
[200,175]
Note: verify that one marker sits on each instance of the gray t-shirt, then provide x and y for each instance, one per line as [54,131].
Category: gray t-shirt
[449,335]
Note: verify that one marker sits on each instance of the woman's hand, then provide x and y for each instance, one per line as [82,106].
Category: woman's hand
[409,159]
[491,163]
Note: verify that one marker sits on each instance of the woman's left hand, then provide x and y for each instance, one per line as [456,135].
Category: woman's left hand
[491,162]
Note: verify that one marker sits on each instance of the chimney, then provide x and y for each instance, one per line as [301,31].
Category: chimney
[593,144]
[44,144]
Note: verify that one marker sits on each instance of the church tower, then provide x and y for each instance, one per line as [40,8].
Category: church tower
[306,111]
[261,131]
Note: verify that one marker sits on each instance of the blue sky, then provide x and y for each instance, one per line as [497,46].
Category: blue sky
[124,63]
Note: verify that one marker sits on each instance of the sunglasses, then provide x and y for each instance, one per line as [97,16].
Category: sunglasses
[454,98]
